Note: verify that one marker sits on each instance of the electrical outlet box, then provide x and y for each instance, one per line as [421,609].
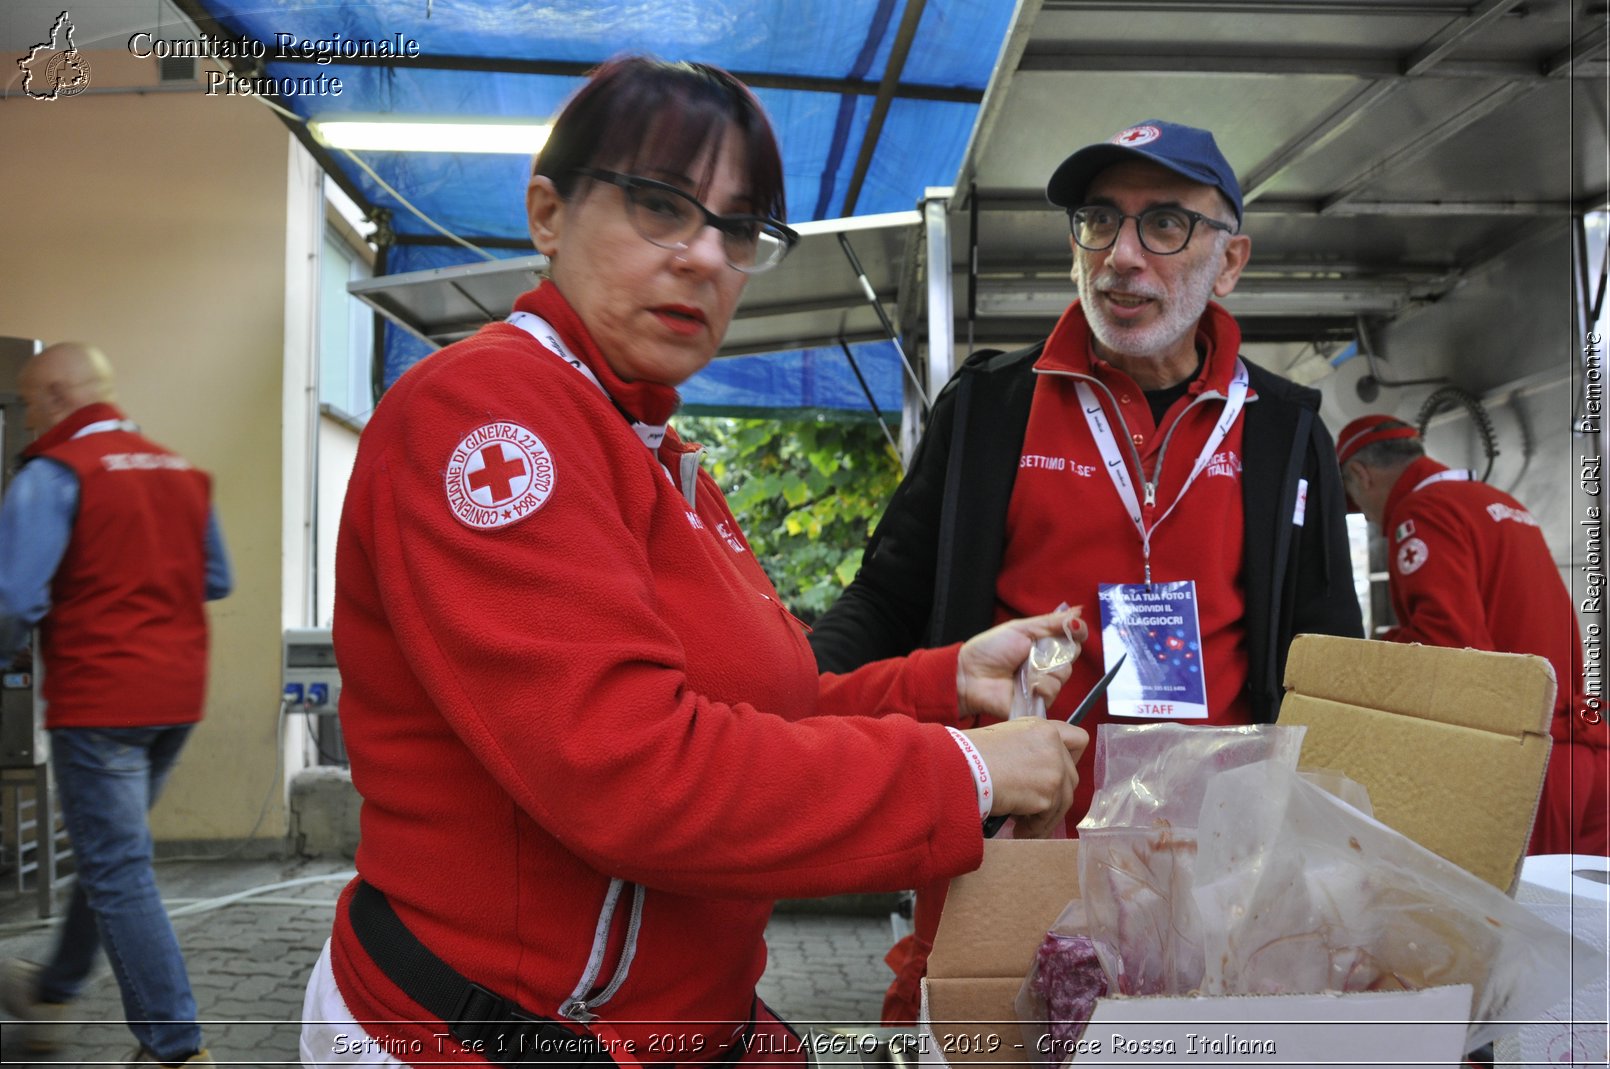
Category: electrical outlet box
[311,685]
[312,681]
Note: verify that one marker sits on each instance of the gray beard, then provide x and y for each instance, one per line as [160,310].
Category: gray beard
[1180,315]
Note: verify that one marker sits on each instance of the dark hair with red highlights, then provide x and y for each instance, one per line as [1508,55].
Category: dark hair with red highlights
[640,115]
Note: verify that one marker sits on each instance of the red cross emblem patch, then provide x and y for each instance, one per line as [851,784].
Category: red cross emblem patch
[1411,555]
[1136,136]
[498,474]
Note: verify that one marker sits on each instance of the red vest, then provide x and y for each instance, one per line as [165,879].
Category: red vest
[125,641]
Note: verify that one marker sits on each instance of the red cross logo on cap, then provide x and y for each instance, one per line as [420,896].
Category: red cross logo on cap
[498,474]
[1136,136]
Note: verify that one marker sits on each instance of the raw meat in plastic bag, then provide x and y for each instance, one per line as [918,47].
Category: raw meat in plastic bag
[1059,995]
[1316,896]
[1137,852]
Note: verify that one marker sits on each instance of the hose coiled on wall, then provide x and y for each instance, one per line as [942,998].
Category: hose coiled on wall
[1448,397]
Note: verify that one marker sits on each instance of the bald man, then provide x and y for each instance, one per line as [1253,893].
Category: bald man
[108,544]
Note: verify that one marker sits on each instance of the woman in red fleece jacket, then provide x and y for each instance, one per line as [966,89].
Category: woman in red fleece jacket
[592,744]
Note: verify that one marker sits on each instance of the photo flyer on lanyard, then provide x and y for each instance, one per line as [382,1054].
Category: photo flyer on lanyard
[1157,627]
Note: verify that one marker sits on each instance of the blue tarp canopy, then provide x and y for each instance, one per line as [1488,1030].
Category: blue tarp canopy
[873,101]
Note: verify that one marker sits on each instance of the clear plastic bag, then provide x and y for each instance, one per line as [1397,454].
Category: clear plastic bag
[1046,656]
[1137,846]
[1316,896]
[1150,774]
[1302,890]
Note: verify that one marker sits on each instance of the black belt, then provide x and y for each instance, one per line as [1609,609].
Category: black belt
[483,1021]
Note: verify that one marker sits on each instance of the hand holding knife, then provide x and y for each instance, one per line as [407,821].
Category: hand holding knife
[993,824]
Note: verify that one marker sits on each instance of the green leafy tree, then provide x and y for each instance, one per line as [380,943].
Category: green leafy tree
[807,492]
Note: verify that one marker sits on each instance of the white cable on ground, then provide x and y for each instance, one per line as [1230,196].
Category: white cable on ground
[207,905]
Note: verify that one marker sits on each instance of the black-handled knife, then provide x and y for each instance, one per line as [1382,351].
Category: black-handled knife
[994,824]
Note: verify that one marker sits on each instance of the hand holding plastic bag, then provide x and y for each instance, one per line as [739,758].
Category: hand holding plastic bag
[989,666]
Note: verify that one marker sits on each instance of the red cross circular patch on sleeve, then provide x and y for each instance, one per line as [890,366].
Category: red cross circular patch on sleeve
[498,474]
[1411,555]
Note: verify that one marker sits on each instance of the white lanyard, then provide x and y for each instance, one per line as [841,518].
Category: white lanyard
[1452,475]
[652,434]
[1118,469]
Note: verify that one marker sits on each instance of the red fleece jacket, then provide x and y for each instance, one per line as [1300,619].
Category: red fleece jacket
[599,681]
[1470,568]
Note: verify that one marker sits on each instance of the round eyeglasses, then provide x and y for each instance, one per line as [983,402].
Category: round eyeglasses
[1163,231]
[671,218]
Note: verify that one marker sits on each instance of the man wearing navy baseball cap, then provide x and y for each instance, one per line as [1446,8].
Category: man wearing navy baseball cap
[1143,293]
[1133,463]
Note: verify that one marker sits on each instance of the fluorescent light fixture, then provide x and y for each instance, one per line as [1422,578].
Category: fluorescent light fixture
[453,133]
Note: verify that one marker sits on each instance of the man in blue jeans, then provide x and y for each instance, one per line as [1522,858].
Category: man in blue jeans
[109,544]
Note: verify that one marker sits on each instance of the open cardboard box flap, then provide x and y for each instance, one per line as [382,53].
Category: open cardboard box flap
[993,922]
[1021,888]
[1508,694]
[1452,746]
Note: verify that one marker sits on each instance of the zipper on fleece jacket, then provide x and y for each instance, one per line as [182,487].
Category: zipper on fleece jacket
[578,1007]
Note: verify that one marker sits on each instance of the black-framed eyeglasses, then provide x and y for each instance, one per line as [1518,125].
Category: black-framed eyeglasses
[671,218]
[1163,230]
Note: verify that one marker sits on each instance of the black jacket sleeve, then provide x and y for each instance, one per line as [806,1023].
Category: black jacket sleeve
[1297,577]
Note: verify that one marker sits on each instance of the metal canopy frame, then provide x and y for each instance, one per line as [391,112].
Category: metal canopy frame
[1389,152]
[442,305]
[1376,142]
[830,291]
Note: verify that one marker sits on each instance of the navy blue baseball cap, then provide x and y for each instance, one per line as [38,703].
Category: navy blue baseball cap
[1185,150]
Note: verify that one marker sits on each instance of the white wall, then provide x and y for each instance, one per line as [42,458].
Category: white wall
[1510,337]
[155,225]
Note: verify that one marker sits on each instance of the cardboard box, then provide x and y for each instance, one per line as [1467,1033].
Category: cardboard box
[1452,745]
[994,919]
